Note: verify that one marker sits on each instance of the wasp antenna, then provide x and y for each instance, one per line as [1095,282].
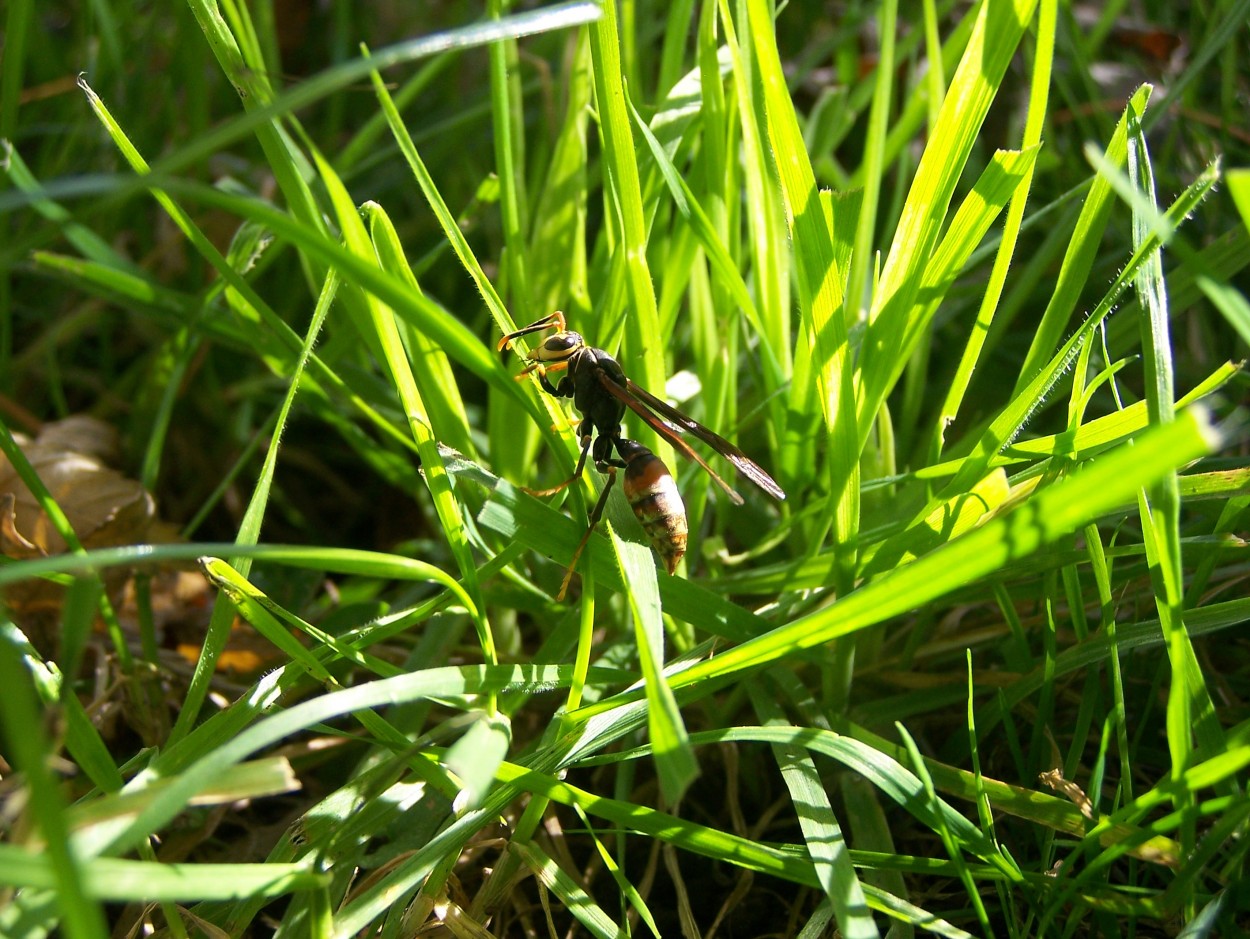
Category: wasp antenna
[555,319]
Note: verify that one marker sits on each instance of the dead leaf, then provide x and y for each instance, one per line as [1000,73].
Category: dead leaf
[103,508]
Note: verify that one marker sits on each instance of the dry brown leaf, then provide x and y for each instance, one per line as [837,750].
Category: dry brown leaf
[103,507]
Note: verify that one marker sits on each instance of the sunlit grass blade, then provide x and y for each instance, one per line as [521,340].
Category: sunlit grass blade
[384,332]
[873,165]
[1189,705]
[820,290]
[444,215]
[1082,250]
[588,913]
[272,622]
[674,759]
[996,34]
[81,915]
[642,356]
[476,756]
[1000,182]
[439,682]
[822,832]
[680,832]
[1052,513]
[432,371]
[118,880]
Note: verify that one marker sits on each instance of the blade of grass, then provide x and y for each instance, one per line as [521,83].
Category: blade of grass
[643,352]
[873,164]
[213,760]
[1052,513]
[1190,708]
[1082,250]
[675,761]
[249,533]
[119,881]
[434,376]
[1043,60]
[822,832]
[81,916]
[245,69]
[576,900]
[820,290]
[508,123]
[996,34]
[953,848]
[385,332]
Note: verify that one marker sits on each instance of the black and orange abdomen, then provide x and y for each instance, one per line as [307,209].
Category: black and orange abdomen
[652,493]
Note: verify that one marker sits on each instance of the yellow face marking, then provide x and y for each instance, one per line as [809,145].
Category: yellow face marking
[558,347]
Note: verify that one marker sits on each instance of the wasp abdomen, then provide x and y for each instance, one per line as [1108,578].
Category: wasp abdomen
[652,493]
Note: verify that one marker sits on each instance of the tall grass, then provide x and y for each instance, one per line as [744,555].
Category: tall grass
[981,671]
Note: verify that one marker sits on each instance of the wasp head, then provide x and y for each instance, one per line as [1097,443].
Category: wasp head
[558,347]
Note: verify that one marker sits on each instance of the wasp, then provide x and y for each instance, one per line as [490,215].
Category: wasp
[602,393]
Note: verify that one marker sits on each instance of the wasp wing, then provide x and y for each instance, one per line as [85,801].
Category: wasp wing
[665,430]
[744,464]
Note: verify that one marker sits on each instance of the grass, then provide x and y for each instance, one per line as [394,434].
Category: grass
[978,310]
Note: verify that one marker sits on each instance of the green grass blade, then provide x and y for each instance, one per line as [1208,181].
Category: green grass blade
[674,759]
[433,373]
[508,123]
[451,228]
[873,166]
[1053,513]
[822,832]
[996,34]
[1038,100]
[438,682]
[820,291]
[249,533]
[384,333]
[119,881]
[642,355]
[81,916]
[1189,704]
[476,756]
[1081,252]
[582,905]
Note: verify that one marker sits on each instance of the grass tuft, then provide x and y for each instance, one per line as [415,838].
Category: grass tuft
[281,652]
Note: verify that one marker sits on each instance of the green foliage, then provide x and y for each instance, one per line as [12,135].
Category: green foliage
[980,315]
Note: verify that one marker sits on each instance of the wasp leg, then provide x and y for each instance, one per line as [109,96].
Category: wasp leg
[541,368]
[577,473]
[566,385]
[595,514]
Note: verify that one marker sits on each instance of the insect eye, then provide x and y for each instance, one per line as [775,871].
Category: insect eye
[560,344]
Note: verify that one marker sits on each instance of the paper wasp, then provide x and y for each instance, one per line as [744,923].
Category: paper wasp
[601,392]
